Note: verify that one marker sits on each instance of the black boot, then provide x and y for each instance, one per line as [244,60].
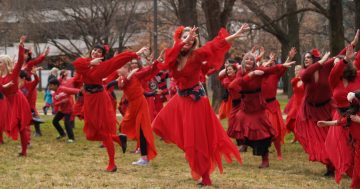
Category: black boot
[123,140]
[330,171]
[37,130]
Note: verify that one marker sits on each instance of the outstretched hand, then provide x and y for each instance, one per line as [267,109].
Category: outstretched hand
[289,64]
[22,40]
[292,53]
[47,50]
[349,53]
[142,51]
[324,58]
[7,85]
[192,35]
[355,41]
[96,61]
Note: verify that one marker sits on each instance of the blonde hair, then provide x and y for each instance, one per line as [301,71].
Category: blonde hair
[9,64]
[243,69]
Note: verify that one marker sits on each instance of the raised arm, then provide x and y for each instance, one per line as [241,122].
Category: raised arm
[16,71]
[171,55]
[30,65]
[337,73]
[148,72]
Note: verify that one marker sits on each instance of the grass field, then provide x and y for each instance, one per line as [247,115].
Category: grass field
[56,164]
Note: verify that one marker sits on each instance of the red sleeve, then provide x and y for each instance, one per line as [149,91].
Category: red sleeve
[294,81]
[171,56]
[82,65]
[308,73]
[357,61]
[107,67]
[336,74]
[148,72]
[33,83]
[113,76]
[277,69]
[30,65]
[214,51]
[226,82]
[211,71]
[16,71]
[69,90]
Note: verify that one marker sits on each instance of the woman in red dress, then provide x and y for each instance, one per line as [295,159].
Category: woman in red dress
[298,89]
[188,119]
[136,123]
[316,105]
[226,103]
[18,106]
[344,78]
[269,91]
[252,124]
[99,115]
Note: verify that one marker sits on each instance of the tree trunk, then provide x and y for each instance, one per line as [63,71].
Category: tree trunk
[187,12]
[357,18]
[215,19]
[337,41]
[294,40]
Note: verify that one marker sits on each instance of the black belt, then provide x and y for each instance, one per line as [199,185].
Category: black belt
[270,99]
[318,104]
[236,102]
[250,91]
[93,88]
[194,92]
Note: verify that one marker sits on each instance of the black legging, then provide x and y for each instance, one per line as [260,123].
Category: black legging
[68,127]
[143,145]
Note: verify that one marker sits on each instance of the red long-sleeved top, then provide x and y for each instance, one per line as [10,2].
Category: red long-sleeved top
[270,83]
[234,90]
[213,52]
[63,99]
[14,75]
[30,65]
[95,74]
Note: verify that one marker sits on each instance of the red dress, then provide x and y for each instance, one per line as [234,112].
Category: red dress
[28,68]
[28,90]
[252,124]
[296,102]
[192,125]
[269,90]
[18,106]
[4,115]
[225,106]
[233,88]
[99,115]
[316,105]
[337,143]
[137,114]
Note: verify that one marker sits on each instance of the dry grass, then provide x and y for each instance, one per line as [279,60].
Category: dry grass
[56,164]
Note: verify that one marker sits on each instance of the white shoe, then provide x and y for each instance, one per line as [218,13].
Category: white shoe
[70,141]
[141,162]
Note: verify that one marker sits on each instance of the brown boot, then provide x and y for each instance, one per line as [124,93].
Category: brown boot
[265,161]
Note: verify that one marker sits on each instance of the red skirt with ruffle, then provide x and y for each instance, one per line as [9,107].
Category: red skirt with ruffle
[225,108]
[19,115]
[231,131]
[339,148]
[194,128]
[274,115]
[99,116]
[137,116]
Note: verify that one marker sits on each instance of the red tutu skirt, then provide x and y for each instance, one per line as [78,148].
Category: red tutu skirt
[274,115]
[339,148]
[312,138]
[99,116]
[194,128]
[137,116]
[19,115]
[225,108]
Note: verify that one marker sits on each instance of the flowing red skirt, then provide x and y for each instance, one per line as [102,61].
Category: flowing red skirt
[19,114]
[339,148]
[151,107]
[4,114]
[78,107]
[225,108]
[355,182]
[274,115]
[137,116]
[312,138]
[194,128]
[231,131]
[99,116]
